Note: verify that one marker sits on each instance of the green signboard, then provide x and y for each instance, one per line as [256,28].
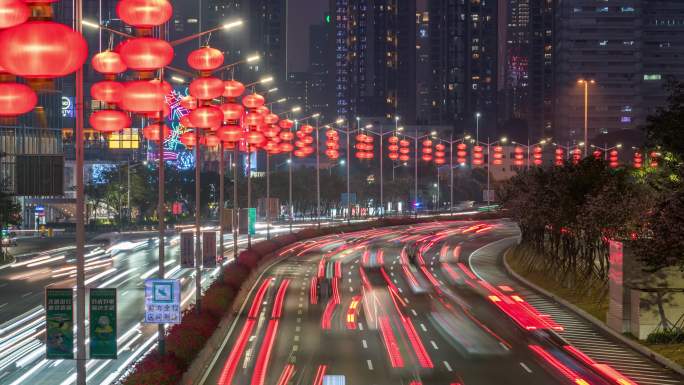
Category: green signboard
[59,320]
[103,323]
[252,221]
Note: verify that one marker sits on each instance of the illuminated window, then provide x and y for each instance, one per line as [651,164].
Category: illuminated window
[652,77]
[128,139]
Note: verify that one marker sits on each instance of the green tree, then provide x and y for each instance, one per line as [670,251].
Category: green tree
[664,128]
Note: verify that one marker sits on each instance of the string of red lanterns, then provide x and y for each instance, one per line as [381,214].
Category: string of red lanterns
[404,150]
[498,155]
[364,147]
[461,153]
[440,154]
[427,150]
[393,148]
[332,144]
[559,157]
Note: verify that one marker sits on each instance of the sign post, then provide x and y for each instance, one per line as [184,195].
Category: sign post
[103,324]
[209,249]
[162,301]
[252,221]
[59,319]
[187,250]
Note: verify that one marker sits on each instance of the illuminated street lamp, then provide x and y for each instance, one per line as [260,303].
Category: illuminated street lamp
[586,84]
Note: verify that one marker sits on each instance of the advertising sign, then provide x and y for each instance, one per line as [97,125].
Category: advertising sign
[59,320]
[209,249]
[187,250]
[103,328]
[162,301]
[252,221]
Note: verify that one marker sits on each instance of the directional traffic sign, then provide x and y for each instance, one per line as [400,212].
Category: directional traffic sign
[162,301]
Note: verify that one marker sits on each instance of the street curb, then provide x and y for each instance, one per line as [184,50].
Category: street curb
[634,345]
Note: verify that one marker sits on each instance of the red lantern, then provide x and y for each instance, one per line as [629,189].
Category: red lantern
[478,156]
[151,132]
[498,155]
[439,161]
[143,96]
[13,12]
[144,13]
[271,131]
[560,157]
[307,129]
[404,150]
[404,158]
[253,101]
[393,140]
[427,143]
[440,147]
[16,99]
[286,124]
[427,150]
[308,150]
[189,103]
[188,139]
[146,53]
[404,143]
[598,154]
[109,121]
[107,91]
[271,119]
[300,153]
[286,147]
[255,137]
[206,59]
[307,139]
[613,159]
[518,156]
[42,50]
[233,89]
[427,157]
[576,155]
[185,121]
[230,133]
[206,117]
[108,63]
[638,160]
[461,153]
[393,155]
[254,120]
[210,141]
[286,135]
[262,110]
[206,88]
[232,111]
[654,159]
[537,156]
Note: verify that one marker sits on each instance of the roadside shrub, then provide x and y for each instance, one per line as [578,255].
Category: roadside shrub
[672,336]
[189,337]
[265,247]
[155,369]
[217,300]
[249,258]
[235,275]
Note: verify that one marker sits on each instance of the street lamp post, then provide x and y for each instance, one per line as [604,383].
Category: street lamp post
[198,248]
[586,83]
[318,176]
[477,126]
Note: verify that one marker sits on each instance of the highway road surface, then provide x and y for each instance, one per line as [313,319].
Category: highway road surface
[423,304]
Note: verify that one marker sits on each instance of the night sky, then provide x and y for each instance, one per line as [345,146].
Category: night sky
[302,14]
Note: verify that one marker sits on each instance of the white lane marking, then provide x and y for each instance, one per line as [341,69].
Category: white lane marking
[406,300]
[422,326]
[299,320]
[527,369]
[3,305]
[298,329]
[414,313]
[447,366]
[434,345]
[295,348]
[504,346]
[350,281]
[296,338]
[27,294]
[365,344]
[370,364]
[401,291]
[299,311]
[360,326]
[351,289]
[301,305]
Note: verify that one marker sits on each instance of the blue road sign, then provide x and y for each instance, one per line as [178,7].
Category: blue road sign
[162,301]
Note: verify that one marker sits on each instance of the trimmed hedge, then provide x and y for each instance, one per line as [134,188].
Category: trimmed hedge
[185,340]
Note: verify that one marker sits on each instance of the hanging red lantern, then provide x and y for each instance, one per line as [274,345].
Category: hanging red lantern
[404,143]
[559,157]
[155,114]
[498,155]
[638,160]
[440,147]
[332,154]
[146,53]
[230,133]
[576,156]
[143,96]
[233,89]
[440,161]
[271,119]
[427,157]
[108,63]
[286,124]
[13,12]
[393,155]
[207,117]
[404,158]
[254,137]
[478,156]
[206,88]
[537,156]
[254,120]
[286,147]
[185,121]
[253,101]
[654,159]
[109,121]
[189,102]
[308,139]
[613,159]
[286,135]
[598,154]
[427,143]
[144,13]
[307,129]
[42,50]
[151,132]
[262,110]
[393,140]
[461,153]
[107,91]
[232,111]
[188,139]
[308,150]
[206,59]
[16,99]
[518,156]
[330,134]
[210,141]
[271,131]
[299,153]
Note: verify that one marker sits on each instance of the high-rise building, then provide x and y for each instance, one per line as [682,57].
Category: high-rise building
[598,41]
[540,62]
[423,72]
[298,88]
[517,48]
[375,62]
[321,69]
[464,56]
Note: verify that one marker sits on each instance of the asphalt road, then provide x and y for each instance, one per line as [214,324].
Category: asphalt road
[357,306]
[124,266]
